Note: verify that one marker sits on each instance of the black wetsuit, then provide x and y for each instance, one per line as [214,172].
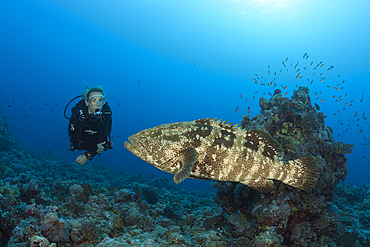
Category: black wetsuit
[87,130]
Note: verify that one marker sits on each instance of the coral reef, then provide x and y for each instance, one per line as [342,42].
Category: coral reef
[7,142]
[54,229]
[297,217]
[51,202]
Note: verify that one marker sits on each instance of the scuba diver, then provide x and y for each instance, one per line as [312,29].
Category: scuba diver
[90,124]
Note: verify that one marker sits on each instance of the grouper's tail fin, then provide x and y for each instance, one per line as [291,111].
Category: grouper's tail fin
[302,173]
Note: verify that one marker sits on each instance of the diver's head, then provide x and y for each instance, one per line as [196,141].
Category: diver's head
[94,99]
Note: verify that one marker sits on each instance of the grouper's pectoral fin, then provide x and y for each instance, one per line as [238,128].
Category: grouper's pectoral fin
[186,159]
[262,185]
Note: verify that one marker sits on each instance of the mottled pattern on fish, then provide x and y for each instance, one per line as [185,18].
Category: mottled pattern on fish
[210,149]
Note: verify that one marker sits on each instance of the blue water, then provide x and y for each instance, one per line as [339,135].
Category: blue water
[169,61]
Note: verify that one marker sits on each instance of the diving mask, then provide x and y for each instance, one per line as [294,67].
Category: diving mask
[97,100]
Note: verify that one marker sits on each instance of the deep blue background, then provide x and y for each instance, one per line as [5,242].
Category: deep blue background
[168,61]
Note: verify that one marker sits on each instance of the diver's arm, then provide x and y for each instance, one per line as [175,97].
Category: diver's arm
[73,134]
[90,154]
[108,127]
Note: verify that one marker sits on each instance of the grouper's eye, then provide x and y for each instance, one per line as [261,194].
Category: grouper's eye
[143,132]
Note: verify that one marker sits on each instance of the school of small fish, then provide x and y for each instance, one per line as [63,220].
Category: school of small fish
[314,75]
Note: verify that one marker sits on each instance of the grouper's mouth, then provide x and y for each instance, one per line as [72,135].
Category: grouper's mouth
[134,147]
[128,145]
[141,151]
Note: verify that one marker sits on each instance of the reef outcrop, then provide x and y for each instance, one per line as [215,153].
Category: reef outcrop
[299,218]
[7,142]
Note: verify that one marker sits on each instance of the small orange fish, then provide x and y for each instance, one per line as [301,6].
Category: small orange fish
[237,108]
[249,109]
[341,88]
[314,73]
[271,83]
[286,93]
[334,114]
[254,97]
[246,100]
[255,80]
[321,100]
[345,95]
[298,75]
[351,101]
[338,111]
[340,100]
[346,104]
[343,81]
[333,96]
[321,80]
[316,94]
[335,88]
[285,87]
[256,92]
[240,95]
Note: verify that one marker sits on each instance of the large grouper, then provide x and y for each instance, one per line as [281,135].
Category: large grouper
[214,150]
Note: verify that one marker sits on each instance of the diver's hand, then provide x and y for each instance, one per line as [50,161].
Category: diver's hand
[100,147]
[81,159]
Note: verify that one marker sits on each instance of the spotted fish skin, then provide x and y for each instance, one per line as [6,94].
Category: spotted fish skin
[215,150]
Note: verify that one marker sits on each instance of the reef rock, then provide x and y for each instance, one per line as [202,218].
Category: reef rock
[7,142]
[299,217]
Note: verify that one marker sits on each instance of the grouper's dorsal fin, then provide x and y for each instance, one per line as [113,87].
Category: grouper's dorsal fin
[186,159]
[222,125]
[272,148]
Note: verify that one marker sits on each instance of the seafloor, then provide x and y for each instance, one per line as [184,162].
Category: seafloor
[52,202]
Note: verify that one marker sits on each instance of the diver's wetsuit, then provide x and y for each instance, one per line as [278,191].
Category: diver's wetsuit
[87,130]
